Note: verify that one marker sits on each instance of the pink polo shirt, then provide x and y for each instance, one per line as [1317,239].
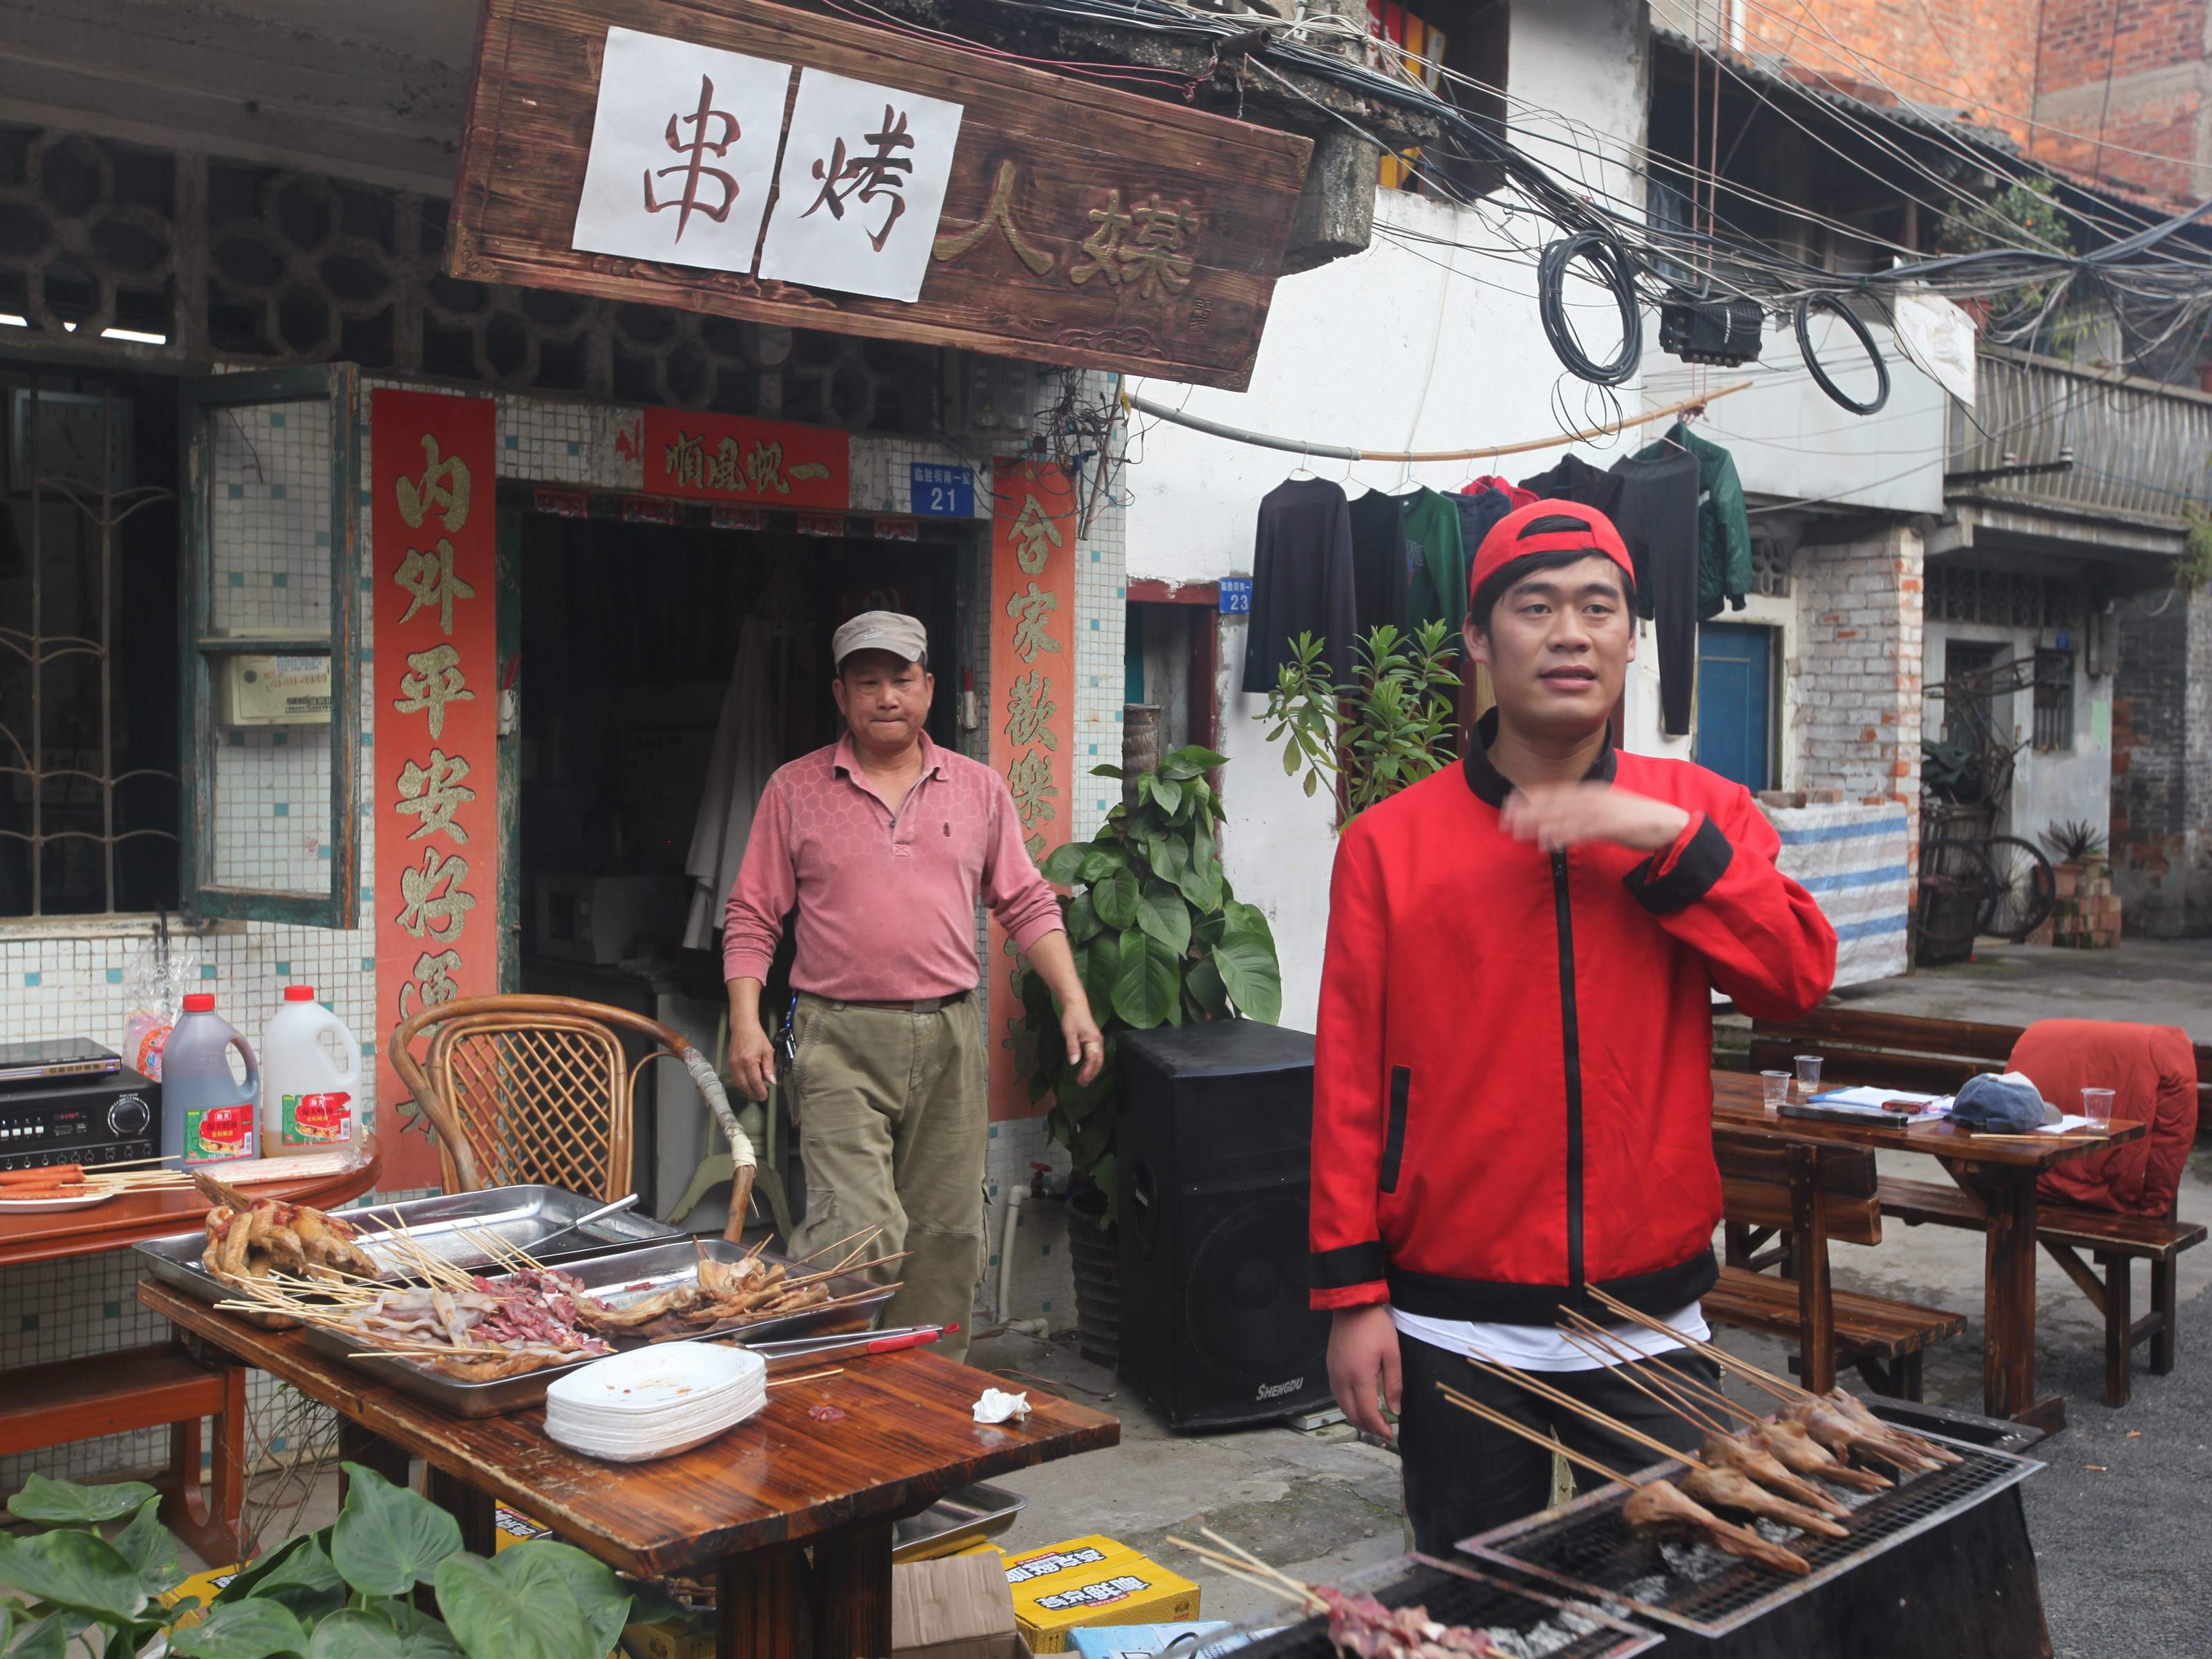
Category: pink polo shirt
[886,892]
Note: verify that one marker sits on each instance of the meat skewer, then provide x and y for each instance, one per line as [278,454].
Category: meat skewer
[1729,1451]
[1854,1410]
[1794,1448]
[1566,1401]
[1825,1423]
[1732,1489]
[1656,1504]
[1358,1624]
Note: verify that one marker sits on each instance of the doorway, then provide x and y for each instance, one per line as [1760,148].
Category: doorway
[1735,702]
[638,642]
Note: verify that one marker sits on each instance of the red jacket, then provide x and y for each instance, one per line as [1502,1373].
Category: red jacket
[2152,1070]
[1512,1076]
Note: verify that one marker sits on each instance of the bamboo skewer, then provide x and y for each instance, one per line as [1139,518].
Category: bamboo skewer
[785,1381]
[1693,1389]
[1780,1388]
[1250,1570]
[1566,1401]
[1258,1565]
[1467,1404]
[1622,1370]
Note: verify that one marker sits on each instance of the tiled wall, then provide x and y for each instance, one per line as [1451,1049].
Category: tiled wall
[271,569]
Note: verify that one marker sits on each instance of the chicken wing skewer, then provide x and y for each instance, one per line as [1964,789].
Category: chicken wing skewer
[1794,1448]
[1656,1504]
[1732,1489]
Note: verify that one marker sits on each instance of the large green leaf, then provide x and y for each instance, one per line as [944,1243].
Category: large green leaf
[1246,957]
[1102,861]
[1189,760]
[1064,863]
[1146,989]
[599,1596]
[1168,794]
[1162,913]
[265,1568]
[251,1629]
[350,1634]
[494,1617]
[1117,899]
[1082,918]
[306,1580]
[65,1504]
[387,1539]
[149,1548]
[1202,979]
[49,1638]
[79,1572]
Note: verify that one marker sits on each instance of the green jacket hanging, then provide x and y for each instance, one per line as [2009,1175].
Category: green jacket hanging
[1723,526]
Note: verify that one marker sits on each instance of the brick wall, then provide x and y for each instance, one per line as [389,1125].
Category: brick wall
[1856,723]
[2162,837]
[1950,53]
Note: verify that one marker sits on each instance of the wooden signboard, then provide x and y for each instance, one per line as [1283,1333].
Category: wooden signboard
[1079,224]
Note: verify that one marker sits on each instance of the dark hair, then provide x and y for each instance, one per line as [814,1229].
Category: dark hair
[1498,581]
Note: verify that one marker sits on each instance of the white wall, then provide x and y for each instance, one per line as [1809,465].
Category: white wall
[1407,346]
[2050,786]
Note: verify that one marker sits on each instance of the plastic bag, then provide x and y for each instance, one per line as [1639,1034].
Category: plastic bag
[155,976]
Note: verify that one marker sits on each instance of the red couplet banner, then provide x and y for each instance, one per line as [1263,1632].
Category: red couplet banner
[434,541]
[729,458]
[1032,715]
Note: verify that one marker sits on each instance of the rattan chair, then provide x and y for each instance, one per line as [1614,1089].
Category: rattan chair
[522,1088]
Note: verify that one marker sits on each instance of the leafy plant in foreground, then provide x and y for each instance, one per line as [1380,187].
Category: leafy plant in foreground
[1391,727]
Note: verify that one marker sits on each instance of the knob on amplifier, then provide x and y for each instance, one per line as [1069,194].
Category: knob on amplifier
[128,1116]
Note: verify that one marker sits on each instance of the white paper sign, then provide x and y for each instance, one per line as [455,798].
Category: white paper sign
[683,152]
[861,184]
[1940,337]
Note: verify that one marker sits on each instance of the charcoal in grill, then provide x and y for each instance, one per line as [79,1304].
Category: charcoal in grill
[1524,1624]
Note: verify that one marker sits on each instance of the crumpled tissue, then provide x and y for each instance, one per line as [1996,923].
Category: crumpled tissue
[997,1405]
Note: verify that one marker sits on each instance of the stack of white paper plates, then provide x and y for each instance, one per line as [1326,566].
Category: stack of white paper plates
[654,1402]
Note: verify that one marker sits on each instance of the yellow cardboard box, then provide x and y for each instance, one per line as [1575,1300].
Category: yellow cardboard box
[1092,1580]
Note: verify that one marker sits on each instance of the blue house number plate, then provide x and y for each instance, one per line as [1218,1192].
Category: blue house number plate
[943,492]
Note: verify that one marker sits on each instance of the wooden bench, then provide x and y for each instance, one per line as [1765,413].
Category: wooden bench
[52,1404]
[1805,1198]
[2116,1243]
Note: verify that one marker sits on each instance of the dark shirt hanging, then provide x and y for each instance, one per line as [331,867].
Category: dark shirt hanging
[1479,510]
[1301,580]
[1657,517]
[1575,479]
[1378,559]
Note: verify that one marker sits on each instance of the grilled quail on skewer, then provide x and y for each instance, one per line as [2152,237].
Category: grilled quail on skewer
[1656,1504]
[1729,1451]
[1841,1435]
[1854,1410]
[1732,1489]
[1794,1449]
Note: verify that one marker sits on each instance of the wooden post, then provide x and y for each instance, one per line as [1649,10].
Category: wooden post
[760,1606]
[1816,1307]
[851,1593]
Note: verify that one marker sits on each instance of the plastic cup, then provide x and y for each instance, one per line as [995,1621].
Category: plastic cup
[1777,1087]
[1808,1074]
[2097,1107]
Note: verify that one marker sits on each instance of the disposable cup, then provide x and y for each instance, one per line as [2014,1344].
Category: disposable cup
[1808,1075]
[2097,1107]
[1775,1087]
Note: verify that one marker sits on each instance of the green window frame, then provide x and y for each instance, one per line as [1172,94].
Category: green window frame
[212,636]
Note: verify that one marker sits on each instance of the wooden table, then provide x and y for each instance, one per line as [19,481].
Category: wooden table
[741,1509]
[2001,1174]
[118,1392]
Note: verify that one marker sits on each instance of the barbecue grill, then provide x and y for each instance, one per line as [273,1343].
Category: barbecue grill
[1965,1584]
[1537,1625]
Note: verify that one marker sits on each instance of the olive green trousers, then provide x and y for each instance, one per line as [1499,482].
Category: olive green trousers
[893,1116]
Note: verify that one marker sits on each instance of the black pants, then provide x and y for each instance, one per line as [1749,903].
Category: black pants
[1464,1475]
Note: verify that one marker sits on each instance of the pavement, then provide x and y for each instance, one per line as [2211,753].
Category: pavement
[2155,981]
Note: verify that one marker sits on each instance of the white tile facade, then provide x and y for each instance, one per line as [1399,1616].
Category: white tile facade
[271,571]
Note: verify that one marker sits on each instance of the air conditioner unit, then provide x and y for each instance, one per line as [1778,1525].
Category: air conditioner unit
[276,690]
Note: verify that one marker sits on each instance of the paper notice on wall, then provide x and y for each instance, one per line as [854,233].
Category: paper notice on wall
[1940,338]
[684,147]
[861,186]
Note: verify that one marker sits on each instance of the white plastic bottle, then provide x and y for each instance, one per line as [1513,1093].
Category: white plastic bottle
[308,1097]
[207,1114]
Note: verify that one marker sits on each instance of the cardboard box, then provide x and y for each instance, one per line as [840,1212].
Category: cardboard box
[1184,1641]
[1092,1580]
[958,1606]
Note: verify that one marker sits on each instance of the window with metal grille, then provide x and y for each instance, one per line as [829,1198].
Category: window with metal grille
[2054,700]
[87,644]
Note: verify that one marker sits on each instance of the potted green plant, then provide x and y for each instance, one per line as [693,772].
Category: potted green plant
[1159,938]
[1391,727]
[346,1592]
[2085,911]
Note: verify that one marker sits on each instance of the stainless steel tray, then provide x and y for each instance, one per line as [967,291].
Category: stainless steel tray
[653,1268]
[956,1520]
[519,1215]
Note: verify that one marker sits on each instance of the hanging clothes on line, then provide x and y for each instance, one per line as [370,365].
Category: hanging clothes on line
[1657,517]
[1514,495]
[1723,525]
[1302,581]
[1378,559]
[1436,563]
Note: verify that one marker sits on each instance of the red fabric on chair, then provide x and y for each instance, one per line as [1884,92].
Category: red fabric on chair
[2152,1071]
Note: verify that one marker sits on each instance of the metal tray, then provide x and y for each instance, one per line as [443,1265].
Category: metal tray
[520,1215]
[653,1268]
[956,1520]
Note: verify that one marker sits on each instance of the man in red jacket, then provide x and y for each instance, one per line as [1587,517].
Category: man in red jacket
[1512,1073]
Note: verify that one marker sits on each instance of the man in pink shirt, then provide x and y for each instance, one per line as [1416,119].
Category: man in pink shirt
[883,843]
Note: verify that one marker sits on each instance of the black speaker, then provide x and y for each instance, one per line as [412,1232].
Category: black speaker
[1217,1124]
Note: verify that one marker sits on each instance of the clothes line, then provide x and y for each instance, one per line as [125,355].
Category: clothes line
[1339,453]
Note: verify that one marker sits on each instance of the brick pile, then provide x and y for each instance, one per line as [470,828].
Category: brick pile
[2086,915]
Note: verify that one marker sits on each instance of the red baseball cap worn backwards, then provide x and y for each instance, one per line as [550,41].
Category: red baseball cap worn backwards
[1549,527]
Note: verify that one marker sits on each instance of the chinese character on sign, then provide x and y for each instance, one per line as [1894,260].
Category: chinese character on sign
[443,488]
[1030,779]
[880,173]
[694,172]
[998,215]
[432,983]
[1034,537]
[433,680]
[1141,246]
[433,793]
[884,153]
[1030,709]
[684,145]
[429,579]
[1029,611]
[433,900]
[1103,247]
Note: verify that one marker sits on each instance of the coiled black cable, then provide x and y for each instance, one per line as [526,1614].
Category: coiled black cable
[1617,272]
[1831,302]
